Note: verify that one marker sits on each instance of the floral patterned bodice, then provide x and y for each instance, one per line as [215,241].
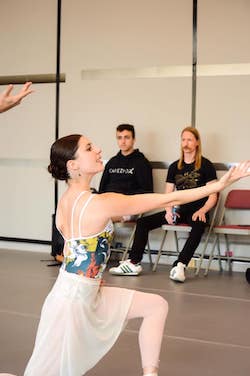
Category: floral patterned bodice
[87,256]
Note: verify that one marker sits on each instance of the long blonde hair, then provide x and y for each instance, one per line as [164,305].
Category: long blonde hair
[198,155]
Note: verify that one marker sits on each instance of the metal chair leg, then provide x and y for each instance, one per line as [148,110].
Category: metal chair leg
[219,254]
[159,252]
[203,251]
[228,254]
[149,254]
[131,238]
[176,242]
[211,255]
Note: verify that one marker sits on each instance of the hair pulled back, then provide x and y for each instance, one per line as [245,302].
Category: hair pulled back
[61,151]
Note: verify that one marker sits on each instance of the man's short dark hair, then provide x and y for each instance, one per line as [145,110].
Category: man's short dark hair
[126,127]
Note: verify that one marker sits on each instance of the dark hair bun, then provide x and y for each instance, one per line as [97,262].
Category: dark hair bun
[58,172]
[61,152]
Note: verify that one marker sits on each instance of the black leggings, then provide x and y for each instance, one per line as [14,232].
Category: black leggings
[151,222]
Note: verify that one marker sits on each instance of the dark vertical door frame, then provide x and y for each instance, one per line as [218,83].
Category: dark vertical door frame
[194,65]
[58,61]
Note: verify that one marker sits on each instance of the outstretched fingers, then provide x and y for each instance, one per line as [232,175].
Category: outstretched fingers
[8,90]
[235,173]
[243,168]
[25,90]
[240,171]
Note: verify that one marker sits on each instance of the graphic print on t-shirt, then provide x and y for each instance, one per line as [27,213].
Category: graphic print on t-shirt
[187,180]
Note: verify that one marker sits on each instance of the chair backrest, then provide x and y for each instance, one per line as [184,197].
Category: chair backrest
[238,199]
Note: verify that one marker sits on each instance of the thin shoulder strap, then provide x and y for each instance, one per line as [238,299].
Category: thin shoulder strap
[82,211]
[73,211]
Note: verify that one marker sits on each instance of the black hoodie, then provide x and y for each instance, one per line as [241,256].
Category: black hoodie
[128,174]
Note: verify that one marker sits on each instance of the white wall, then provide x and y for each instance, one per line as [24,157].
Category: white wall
[223,99]
[28,44]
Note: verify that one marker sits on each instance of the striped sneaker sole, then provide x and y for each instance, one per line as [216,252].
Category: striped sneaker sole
[123,270]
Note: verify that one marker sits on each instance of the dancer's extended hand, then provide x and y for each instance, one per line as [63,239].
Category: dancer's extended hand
[7,100]
[236,173]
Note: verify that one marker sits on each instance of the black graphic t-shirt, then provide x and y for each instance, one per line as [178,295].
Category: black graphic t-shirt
[188,178]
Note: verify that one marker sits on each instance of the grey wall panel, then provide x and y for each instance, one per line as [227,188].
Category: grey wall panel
[159,109]
[223,31]
[28,44]
[130,35]
[26,202]
[117,33]
[27,131]
[223,116]
[28,36]
[223,86]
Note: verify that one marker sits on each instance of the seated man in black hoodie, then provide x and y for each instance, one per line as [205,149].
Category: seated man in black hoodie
[128,172]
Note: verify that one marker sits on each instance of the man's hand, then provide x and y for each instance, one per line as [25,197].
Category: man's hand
[199,214]
[7,100]
[169,217]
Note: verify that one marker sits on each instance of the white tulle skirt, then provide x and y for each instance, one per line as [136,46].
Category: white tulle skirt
[80,322]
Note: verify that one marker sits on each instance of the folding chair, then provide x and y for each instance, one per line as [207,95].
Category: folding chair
[180,227]
[185,228]
[236,200]
[125,250]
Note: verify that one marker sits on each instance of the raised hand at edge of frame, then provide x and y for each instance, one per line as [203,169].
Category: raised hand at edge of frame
[236,173]
[7,100]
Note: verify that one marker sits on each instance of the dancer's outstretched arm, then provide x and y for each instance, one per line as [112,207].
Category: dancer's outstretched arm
[116,204]
[7,100]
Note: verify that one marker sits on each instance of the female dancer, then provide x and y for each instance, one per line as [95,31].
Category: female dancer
[81,319]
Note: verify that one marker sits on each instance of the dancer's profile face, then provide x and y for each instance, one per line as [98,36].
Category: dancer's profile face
[88,156]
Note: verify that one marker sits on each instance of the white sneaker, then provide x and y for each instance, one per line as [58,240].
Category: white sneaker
[177,272]
[126,268]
